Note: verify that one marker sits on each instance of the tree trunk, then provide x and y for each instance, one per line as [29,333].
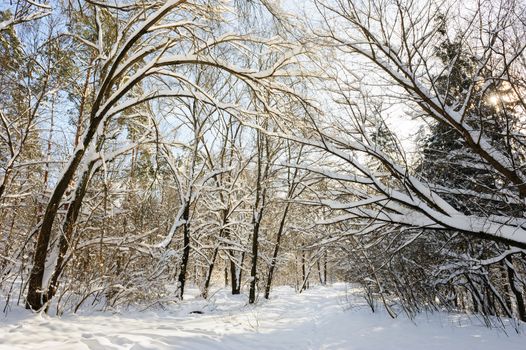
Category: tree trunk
[181,279]
[204,294]
[240,272]
[257,213]
[36,297]
[521,310]
[253,268]
[507,290]
[67,234]
[306,273]
[276,251]
[233,274]
[320,276]
[325,268]
[235,285]
[226,274]
[72,215]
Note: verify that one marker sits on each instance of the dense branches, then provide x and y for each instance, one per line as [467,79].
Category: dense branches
[150,147]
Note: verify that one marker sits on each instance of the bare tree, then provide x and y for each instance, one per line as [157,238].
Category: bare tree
[400,50]
[145,51]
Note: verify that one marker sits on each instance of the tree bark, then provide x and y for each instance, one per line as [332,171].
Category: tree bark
[233,275]
[253,268]
[521,309]
[67,234]
[206,286]
[36,297]
[276,251]
[181,279]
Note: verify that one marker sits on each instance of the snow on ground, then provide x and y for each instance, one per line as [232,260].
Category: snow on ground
[320,318]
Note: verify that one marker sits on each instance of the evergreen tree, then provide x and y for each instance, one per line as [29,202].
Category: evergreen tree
[454,170]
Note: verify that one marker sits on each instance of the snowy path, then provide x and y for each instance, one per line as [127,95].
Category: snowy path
[316,319]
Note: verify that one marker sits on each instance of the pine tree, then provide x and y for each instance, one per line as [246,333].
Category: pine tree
[454,170]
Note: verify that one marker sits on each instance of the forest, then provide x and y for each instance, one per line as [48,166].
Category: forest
[148,147]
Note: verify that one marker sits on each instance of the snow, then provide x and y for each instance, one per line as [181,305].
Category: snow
[333,317]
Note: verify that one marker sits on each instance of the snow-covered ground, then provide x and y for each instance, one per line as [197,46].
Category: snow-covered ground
[320,318]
